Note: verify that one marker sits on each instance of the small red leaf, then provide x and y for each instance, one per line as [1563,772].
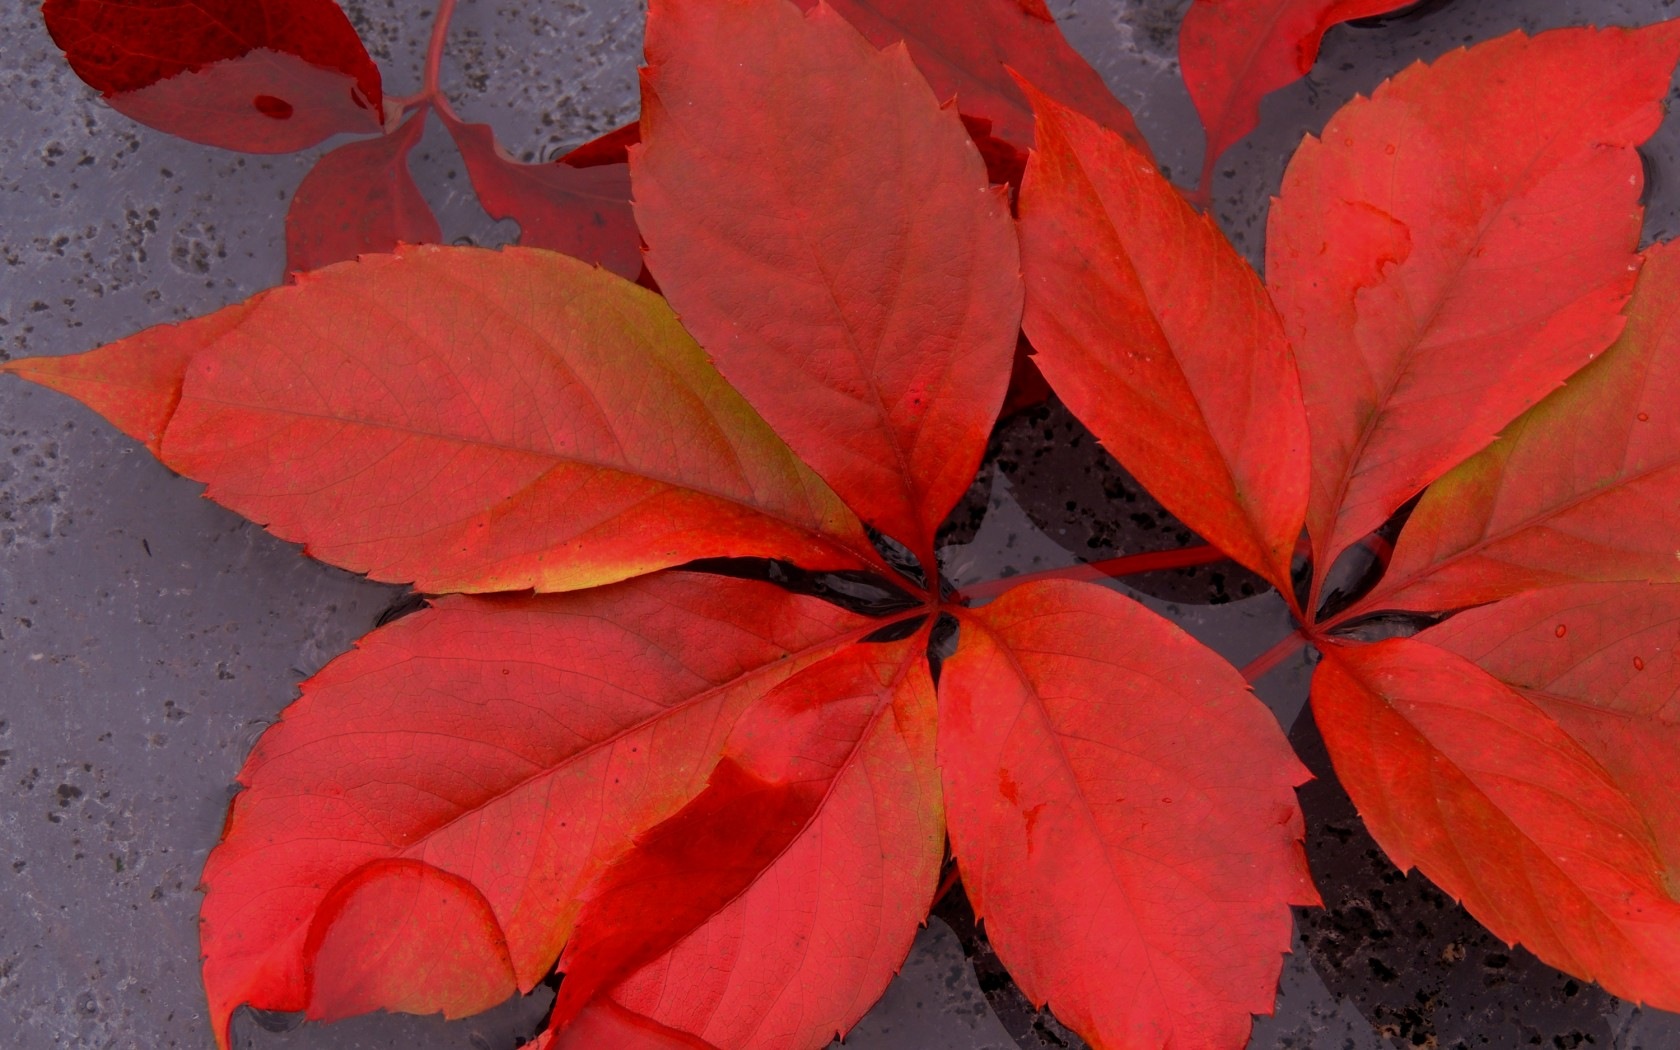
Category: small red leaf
[1493,798]
[965,48]
[1122,810]
[360,198]
[771,912]
[1442,266]
[582,210]
[264,76]
[480,762]
[1157,334]
[827,232]
[1235,52]
[470,420]
[1584,487]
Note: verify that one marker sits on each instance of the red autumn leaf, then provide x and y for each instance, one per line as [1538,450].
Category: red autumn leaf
[359,198]
[1235,52]
[1490,793]
[860,288]
[965,49]
[1435,261]
[1585,486]
[469,420]
[1160,338]
[582,210]
[772,911]
[469,769]
[1123,813]
[264,76]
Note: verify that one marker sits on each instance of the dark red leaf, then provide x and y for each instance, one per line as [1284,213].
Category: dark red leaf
[359,198]
[1122,810]
[1161,339]
[1235,52]
[771,912]
[264,76]
[581,210]
[415,832]
[845,263]
[1584,487]
[468,420]
[1488,792]
[1441,264]
[611,148]
[966,47]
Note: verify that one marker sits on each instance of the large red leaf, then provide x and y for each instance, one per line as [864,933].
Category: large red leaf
[1162,340]
[265,76]
[966,47]
[1493,797]
[1583,487]
[1600,660]
[771,912]
[583,211]
[416,830]
[1123,813]
[359,198]
[826,231]
[1441,266]
[469,420]
[1235,52]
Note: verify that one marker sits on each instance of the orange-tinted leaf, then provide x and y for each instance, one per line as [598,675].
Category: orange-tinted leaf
[1157,334]
[416,830]
[827,232]
[771,912]
[1442,264]
[470,420]
[1122,811]
[582,211]
[1235,52]
[1583,487]
[264,76]
[359,198]
[1493,797]
[966,47]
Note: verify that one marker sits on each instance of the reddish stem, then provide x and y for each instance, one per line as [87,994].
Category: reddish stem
[1131,564]
[431,84]
[1277,654]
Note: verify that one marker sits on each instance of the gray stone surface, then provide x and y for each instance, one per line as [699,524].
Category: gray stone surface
[147,637]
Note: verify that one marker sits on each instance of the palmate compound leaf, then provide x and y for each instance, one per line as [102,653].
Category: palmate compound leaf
[264,76]
[1162,340]
[1123,813]
[1540,795]
[772,911]
[360,198]
[827,232]
[467,420]
[1235,52]
[415,832]
[1583,487]
[1439,261]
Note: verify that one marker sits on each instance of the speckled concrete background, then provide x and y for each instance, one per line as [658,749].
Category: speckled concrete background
[147,637]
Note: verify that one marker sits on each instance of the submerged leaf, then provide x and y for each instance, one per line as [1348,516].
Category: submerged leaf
[264,76]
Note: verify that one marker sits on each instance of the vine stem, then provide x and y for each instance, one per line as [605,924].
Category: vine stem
[1277,654]
[1149,561]
[431,84]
